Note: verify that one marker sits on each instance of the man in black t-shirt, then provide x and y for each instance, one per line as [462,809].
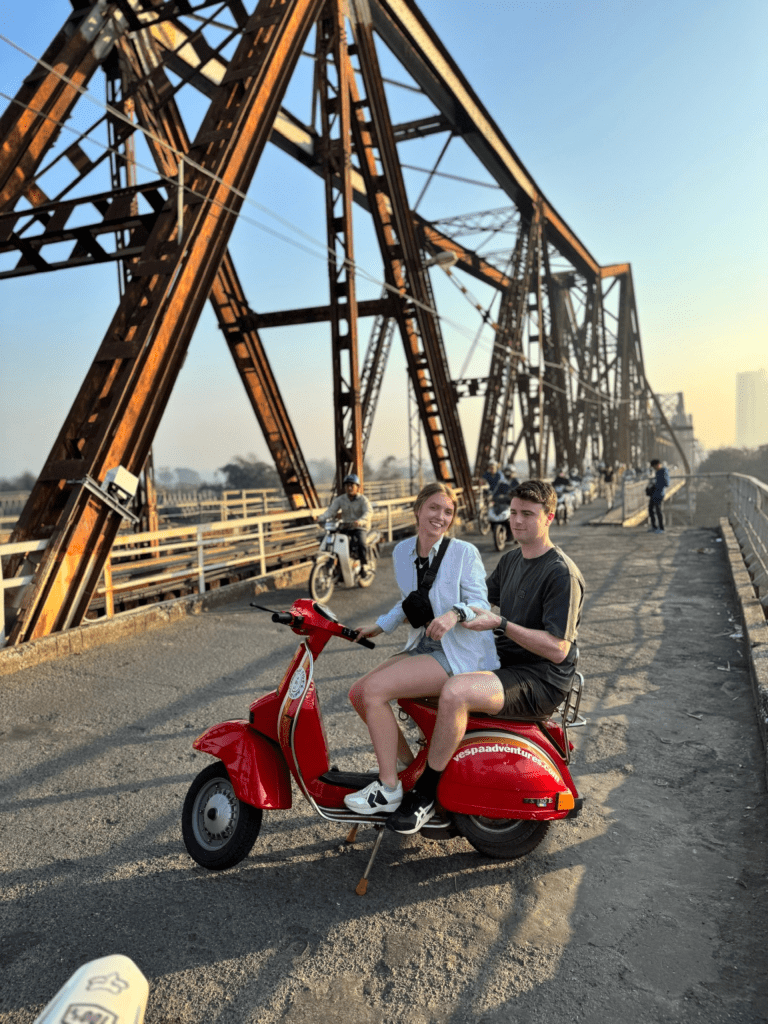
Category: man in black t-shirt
[539,592]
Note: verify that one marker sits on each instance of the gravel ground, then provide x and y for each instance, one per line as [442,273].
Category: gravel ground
[649,907]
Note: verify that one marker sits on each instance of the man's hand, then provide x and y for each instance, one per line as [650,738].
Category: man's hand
[484,620]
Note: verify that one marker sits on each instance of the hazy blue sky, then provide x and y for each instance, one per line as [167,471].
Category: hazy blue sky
[643,122]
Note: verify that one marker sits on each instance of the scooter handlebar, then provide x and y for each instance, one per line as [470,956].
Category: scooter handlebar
[351,634]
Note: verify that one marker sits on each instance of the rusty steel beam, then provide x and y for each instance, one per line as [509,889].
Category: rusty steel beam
[404,269]
[32,121]
[117,209]
[412,40]
[115,416]
[318,314]
[204,68]
[158,111]
[332,76]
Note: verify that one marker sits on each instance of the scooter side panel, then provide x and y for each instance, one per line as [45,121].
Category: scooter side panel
[493,774]
[256,765]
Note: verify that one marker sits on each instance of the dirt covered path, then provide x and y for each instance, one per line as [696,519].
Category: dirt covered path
[650,907]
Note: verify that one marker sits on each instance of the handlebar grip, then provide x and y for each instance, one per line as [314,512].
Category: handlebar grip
[285,618]
[365,642]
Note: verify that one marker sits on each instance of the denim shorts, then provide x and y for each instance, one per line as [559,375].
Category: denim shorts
[435,648]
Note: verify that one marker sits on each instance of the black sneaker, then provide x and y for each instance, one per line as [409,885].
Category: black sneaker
[414,812]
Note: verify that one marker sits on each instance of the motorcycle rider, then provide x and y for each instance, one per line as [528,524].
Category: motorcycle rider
[356,513]
[562,479]
[539,592]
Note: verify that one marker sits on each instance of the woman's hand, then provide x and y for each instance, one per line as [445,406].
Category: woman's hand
[363,631]
[438,627]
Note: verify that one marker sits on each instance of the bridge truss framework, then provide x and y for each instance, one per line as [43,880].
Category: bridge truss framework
[566,369]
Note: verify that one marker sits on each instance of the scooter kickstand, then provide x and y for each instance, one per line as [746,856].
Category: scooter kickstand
[362,885]
[352,834]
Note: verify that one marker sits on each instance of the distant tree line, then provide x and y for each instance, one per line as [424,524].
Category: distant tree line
[750,461]
[241,473]
[25,482]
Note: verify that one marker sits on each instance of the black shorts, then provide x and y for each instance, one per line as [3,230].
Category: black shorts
[525,694]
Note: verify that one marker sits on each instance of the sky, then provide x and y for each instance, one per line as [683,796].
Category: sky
[642,121]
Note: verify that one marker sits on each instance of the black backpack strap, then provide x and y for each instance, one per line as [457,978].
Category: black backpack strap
[431,573]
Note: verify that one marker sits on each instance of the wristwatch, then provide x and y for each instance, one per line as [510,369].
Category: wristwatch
[501,629]
[461,613]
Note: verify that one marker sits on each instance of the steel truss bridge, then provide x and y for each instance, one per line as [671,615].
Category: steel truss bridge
[565,373]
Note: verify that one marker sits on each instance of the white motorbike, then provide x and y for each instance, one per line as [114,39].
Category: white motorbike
[498,517]
[566,504]
[336,563]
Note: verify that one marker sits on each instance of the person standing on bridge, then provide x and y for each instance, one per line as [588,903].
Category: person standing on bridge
[656,491]
[435,648]
[539,592]
[356,513]
[610,485]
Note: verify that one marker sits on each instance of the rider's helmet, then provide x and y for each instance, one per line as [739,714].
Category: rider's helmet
[351,478]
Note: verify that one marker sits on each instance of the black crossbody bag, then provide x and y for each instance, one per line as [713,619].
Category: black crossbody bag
[416,606]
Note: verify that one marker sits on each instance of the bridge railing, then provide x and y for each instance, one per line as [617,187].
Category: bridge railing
[167,563]
[749,518]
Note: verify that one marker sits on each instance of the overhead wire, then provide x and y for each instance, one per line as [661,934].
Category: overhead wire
[326,253]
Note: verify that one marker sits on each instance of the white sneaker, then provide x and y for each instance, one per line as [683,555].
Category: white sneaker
[375,799]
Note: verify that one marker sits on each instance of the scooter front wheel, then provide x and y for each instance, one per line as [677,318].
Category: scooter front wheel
[502,838]
[218,829]
[500,536]
[322,580]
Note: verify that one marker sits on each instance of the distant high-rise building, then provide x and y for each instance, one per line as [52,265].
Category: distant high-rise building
[752,409]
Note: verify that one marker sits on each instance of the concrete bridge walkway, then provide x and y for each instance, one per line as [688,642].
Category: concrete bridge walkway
[650,907]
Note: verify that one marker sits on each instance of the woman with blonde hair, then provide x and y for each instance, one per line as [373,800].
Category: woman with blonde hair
[435,649]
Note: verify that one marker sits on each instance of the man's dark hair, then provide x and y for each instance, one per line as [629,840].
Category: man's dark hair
[539,491]
[655,462]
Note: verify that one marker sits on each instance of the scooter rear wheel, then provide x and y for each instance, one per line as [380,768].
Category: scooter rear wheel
[218,829]
[502,838]
[322,580]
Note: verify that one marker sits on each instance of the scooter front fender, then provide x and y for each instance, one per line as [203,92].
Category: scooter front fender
[256,765]
[503,775]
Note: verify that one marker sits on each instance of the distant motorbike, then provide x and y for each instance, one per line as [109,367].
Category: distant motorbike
[336,562]
[566,503]
[499,518]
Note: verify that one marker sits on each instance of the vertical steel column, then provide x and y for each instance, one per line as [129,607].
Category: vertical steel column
[332,62]
[158,112]
[404,268]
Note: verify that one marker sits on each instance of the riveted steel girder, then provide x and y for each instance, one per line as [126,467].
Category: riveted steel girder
[404,269]
[115,416]
[157,111]
[32,121]
[333,73]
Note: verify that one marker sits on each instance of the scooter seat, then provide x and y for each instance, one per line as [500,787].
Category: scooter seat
[487,720]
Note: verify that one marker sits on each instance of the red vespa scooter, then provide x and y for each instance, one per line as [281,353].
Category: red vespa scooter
[502,787]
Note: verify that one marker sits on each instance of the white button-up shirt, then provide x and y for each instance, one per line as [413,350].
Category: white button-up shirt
[460,582]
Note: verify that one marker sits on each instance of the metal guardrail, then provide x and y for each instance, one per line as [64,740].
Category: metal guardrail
[192,558]
[749,518]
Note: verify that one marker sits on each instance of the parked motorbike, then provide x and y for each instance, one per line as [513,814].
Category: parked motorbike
[336,563]
[504,785]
